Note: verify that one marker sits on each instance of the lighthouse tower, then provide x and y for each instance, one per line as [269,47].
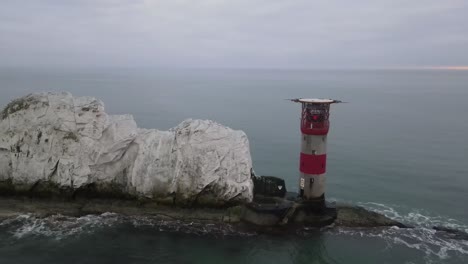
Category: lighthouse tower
[313,158]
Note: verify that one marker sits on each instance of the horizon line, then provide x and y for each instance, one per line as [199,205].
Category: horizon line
[451,67]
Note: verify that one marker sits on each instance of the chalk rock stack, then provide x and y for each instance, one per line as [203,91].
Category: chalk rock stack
[72,143]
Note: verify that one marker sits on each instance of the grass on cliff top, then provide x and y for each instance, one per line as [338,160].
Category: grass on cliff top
[71,136]
[17,105]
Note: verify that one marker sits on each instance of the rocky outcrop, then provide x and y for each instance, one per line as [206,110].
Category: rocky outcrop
[71,143]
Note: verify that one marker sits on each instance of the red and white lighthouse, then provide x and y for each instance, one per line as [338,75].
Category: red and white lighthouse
[313,160]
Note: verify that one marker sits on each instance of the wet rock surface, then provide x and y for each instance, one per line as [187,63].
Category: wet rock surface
[356,216]
[197,220]
[348,216]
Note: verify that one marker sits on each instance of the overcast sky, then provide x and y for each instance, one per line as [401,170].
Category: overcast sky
[234,33]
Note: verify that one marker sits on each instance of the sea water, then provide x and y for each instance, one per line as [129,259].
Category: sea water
[399,147]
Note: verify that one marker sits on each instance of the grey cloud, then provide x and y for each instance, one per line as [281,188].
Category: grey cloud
[242,33]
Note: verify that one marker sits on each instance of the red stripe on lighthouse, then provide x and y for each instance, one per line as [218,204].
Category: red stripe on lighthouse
[313,164]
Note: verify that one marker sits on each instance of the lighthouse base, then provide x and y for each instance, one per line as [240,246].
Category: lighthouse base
[274,206]
[312,214]
[276,211]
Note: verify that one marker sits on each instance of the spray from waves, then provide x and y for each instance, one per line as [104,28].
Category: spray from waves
[60,226]
[421,237]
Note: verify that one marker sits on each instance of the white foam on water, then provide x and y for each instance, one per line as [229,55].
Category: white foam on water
[57,226]
[415,217]
[422,237]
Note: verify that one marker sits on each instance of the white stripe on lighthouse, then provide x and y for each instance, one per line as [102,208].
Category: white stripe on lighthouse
[314,144]
[313,185]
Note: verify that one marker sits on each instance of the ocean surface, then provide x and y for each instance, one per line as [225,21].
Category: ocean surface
[399,147]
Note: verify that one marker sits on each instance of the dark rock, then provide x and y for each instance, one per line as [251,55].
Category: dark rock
[452,233]
[356,216]
[269,186]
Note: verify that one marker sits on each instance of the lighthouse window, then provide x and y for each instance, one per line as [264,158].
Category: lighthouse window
[317,113]
[315,117]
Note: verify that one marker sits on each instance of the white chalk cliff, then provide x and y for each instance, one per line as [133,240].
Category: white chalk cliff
[71,142]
